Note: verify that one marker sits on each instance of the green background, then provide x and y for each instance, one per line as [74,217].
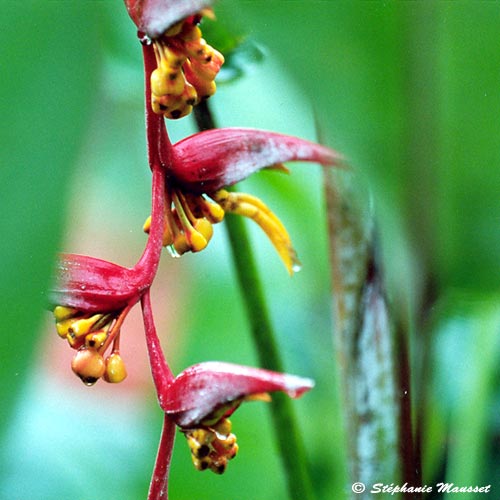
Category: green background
[408,92]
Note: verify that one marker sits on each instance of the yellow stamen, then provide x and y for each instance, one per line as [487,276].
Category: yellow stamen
[180,244]
[253,208]
[204,227]
[168,239]
[186,69]
[211,210]
[261,396]
[195,239]
[115,369]
[147,225]
[61,313]
[83,326]
[167,82]
[62,327]
[211,448]
[96,340]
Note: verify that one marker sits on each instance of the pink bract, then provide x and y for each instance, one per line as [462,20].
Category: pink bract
[200,390]
[213,159]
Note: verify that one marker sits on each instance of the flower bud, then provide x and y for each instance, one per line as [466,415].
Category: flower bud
[62,313]
[89,365]
[115,369]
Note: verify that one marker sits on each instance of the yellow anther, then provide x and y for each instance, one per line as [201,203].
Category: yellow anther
[212,448]
[196,241]
[199,50]
[201,463]
[170,82]
[175,107]
[168,239]
[223,427]
[211,210]
[208,69]
[147,225]
[172,59]
[202,436]
[96,340]
[115,369]
[62,327]
[83,326]
[280,167]
[261,396]
[204,85]
[219,465]
[62,313]
[207,12]
[175,86]
[89,365]
[204,227]
[191,33]
[255,209]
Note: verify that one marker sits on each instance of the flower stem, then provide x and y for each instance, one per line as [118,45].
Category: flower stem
[159,482]
[290,443]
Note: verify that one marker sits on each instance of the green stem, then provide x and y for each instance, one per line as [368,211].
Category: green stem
[292,450]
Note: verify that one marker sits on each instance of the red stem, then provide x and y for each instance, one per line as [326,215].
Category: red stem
[158,488]
[159,156]
[162,375]
[147,265]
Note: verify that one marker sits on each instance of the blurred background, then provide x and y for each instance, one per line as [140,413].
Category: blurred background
[408,92]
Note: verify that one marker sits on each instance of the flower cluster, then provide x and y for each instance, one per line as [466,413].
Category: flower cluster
[92,334]
[187,67]
[91,297]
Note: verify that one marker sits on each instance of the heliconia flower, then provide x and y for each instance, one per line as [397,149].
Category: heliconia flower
[204,163]
[199,402]
[96,297]
[202,397]
[92,297]
[186,66]
[186,69]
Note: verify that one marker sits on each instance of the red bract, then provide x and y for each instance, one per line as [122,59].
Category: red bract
[200,391]
[153,17]
[91,284]
[210,160]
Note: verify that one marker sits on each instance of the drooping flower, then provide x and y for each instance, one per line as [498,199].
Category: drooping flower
[186,65]
[201,399]
[199,402]
[92,297]
[205,163]
[186,69]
